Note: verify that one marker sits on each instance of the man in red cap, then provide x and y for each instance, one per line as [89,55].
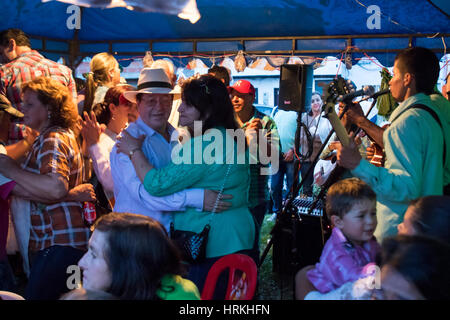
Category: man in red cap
[242,94]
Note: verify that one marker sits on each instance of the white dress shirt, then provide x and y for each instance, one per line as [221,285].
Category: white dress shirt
[130,195]
[99,153]
[3,179]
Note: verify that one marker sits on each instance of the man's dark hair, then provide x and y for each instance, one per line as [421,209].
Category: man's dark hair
[18,35]
[423,64]
[220,73]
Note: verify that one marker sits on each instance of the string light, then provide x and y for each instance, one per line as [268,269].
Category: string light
[318,60]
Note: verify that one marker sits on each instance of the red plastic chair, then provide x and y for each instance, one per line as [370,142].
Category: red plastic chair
[242,278]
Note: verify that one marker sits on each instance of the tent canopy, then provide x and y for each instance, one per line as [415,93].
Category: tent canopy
[300,27]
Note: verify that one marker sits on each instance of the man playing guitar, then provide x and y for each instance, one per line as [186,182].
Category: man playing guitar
[417,153]
[354,115]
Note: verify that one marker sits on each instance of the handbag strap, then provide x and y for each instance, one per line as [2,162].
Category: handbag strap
[220,193]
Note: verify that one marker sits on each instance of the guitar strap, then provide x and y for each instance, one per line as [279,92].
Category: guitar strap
[436,117]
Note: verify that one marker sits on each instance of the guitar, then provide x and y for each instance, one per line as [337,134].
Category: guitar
[378,155]
[335,89]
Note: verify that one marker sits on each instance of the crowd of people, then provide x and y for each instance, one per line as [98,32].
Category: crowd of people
[196,156]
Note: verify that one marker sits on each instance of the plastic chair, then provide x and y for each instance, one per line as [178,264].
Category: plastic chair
[243,275]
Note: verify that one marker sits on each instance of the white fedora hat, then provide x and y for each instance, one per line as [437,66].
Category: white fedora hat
[151,81]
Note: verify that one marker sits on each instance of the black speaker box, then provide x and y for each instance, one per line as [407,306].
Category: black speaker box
[298,243]
[296,81]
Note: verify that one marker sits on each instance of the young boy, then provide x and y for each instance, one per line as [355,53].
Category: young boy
[351,250]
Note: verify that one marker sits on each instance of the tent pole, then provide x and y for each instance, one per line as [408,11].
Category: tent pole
[74,47]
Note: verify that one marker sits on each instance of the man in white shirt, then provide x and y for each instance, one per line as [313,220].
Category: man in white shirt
[154,97]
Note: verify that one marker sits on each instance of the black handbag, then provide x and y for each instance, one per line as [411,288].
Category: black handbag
[193,245]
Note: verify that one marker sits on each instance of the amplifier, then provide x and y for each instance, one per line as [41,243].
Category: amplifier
[299,238]
[303,204]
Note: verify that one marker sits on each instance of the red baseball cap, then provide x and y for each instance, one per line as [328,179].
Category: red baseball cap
[243,86]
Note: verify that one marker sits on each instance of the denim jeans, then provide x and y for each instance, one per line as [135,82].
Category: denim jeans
[48,275]
[309,180]
[258,214]
[277,182]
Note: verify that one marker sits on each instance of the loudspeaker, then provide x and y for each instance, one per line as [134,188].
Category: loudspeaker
[296,82]
[297,244]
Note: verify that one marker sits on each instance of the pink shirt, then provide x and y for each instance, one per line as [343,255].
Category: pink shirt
[342,261]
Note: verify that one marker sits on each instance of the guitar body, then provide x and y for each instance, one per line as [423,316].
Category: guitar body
[378,156]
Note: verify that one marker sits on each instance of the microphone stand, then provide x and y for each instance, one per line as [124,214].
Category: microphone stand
[288,209]
[337,173]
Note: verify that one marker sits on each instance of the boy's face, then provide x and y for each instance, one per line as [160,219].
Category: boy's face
[358,224]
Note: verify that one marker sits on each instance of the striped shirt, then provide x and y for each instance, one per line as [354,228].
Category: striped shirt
[56,151]
[24,68]
[259,189]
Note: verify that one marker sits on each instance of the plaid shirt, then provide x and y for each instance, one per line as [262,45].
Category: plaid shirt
[24,68]
[56,151]
[259,189]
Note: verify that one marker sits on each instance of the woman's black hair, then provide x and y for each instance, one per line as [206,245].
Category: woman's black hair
[211,98]
[431,217]
[423,261]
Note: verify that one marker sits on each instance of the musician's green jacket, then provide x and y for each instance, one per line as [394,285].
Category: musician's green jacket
[414,167]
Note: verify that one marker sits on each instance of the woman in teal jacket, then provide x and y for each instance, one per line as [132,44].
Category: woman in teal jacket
[213,156]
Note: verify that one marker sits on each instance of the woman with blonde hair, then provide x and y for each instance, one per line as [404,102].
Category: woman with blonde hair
[104,74]
[58,235]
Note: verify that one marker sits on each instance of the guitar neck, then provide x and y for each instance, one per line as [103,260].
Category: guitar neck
[336,123]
